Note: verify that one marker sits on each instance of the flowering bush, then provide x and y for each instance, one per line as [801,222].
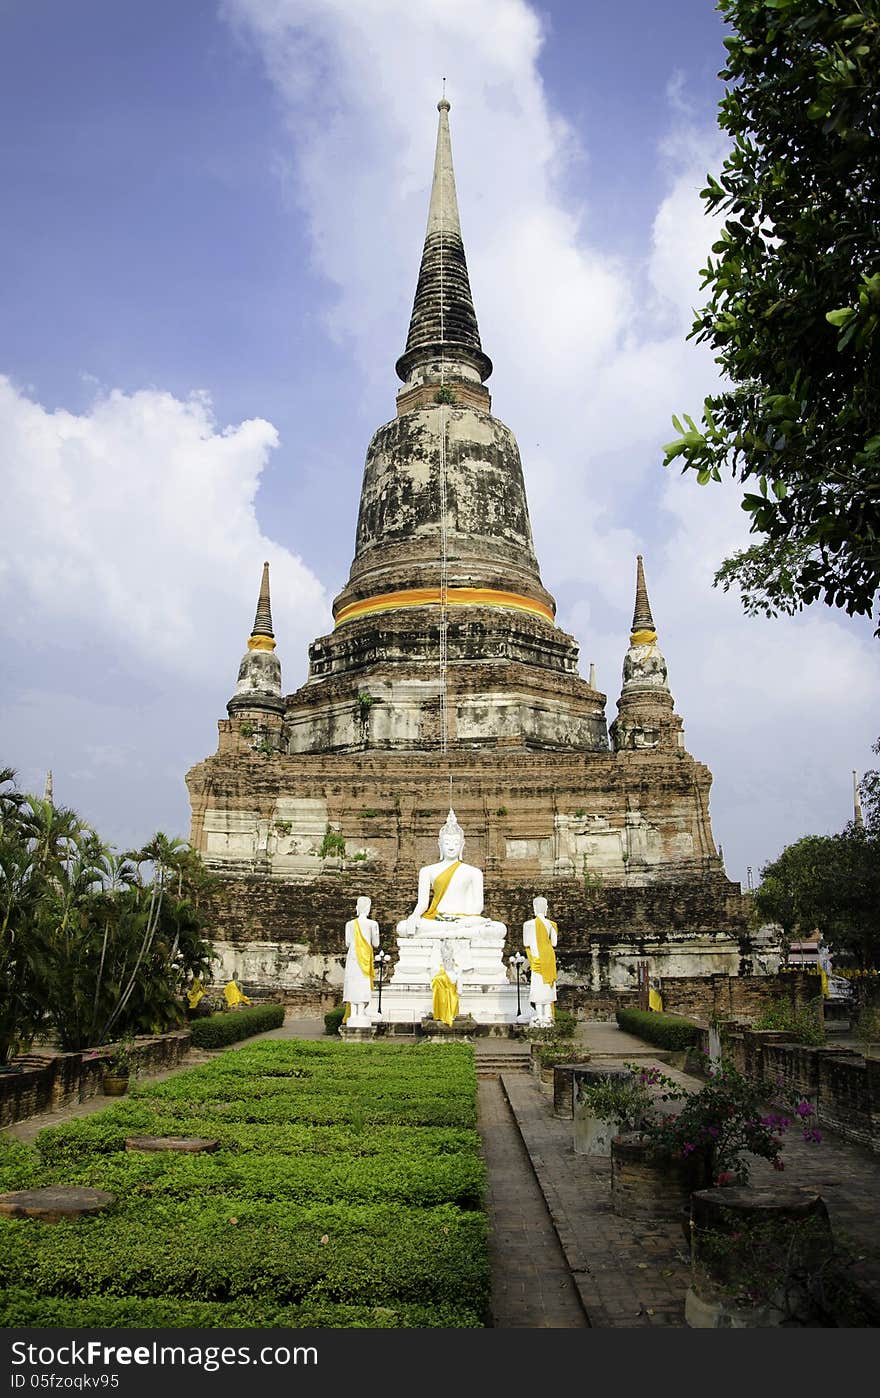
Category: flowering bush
[726,1122]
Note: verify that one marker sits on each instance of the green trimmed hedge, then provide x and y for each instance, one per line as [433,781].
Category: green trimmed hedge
[25,1308]
[667,1031]
[216,1031]
[344,1172]
[333,1019]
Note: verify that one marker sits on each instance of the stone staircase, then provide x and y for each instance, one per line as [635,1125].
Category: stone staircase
[491,1060]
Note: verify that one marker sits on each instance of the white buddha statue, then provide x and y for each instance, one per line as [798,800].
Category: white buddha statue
[450,905]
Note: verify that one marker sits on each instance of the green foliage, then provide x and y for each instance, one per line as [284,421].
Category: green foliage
[287,1224]
[24,1308]
[218,1030]
[89,946]
[725,1122]
[333,1019]
[830,883]
[796,1268]
[561,1051]
[792,318]
[332,845]
[804,1023]
[246,728]
[444,395]
[665,1030]
[593,881]
[631,1100]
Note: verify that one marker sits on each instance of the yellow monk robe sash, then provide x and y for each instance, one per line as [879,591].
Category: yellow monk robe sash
[544,964]
[234,996]
[363,950]
[438,888]
[655,999]
[445,1007]
[195,992]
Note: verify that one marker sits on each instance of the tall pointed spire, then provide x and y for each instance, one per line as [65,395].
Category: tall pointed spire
[858,818]
[262,636]
[643,629]
[259,675]
[443,325]
[48,794]
[645,713]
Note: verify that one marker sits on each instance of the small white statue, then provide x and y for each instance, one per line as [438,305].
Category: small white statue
[540,936]
[361,936]
[450,896]
[445,983]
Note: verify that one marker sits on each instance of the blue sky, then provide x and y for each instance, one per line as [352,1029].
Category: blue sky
[213,215]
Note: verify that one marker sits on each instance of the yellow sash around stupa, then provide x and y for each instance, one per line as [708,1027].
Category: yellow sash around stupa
[363,950]
[445,1006]
[544,964]
[438,888]
[195,992]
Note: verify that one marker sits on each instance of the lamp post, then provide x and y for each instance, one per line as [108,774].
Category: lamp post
[517,961]
[380,960]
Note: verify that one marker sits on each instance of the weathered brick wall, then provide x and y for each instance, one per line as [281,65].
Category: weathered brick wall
[49,1082]
[314,914]
[844,1087]
[733,997]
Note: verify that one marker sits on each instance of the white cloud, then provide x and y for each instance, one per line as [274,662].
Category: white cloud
[130,532]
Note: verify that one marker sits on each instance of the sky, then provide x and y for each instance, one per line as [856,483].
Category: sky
[212,220]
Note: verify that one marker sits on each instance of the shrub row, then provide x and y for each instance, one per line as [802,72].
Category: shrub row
[106,1132]
[216,1031]
[667,1031]
[255,1234]
[25,1308]
[219,1249]
[457,1179]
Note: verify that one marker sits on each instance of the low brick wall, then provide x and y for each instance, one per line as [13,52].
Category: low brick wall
[734,997]
[843,1086]
[50,1081]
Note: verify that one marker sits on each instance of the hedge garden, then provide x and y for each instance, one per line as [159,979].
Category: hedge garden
[347,1191]
[667,1031]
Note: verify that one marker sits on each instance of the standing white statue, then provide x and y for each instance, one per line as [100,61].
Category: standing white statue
[540,936]
[445,982]
[361,936]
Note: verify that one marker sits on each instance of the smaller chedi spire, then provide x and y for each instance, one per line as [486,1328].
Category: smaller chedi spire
[858,818]
[643,623]
[49,793]
[645,716]
[258,689]
[262,636]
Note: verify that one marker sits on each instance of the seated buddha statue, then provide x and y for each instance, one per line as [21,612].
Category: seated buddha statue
[450,895]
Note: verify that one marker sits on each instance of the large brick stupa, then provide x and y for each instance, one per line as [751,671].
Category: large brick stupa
[446,677]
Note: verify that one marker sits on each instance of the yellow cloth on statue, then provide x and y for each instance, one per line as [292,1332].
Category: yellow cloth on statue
[439,887]
[364,951]
[445,997]
[544,964]
[234,996]
[195,993]
[824,974]
[655,999]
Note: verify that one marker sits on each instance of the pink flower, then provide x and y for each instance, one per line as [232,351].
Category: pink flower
[726,1177]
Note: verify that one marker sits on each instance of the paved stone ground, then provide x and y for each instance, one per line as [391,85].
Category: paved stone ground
[560,1258]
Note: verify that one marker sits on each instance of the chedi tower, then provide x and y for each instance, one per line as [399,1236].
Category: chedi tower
[446,680]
